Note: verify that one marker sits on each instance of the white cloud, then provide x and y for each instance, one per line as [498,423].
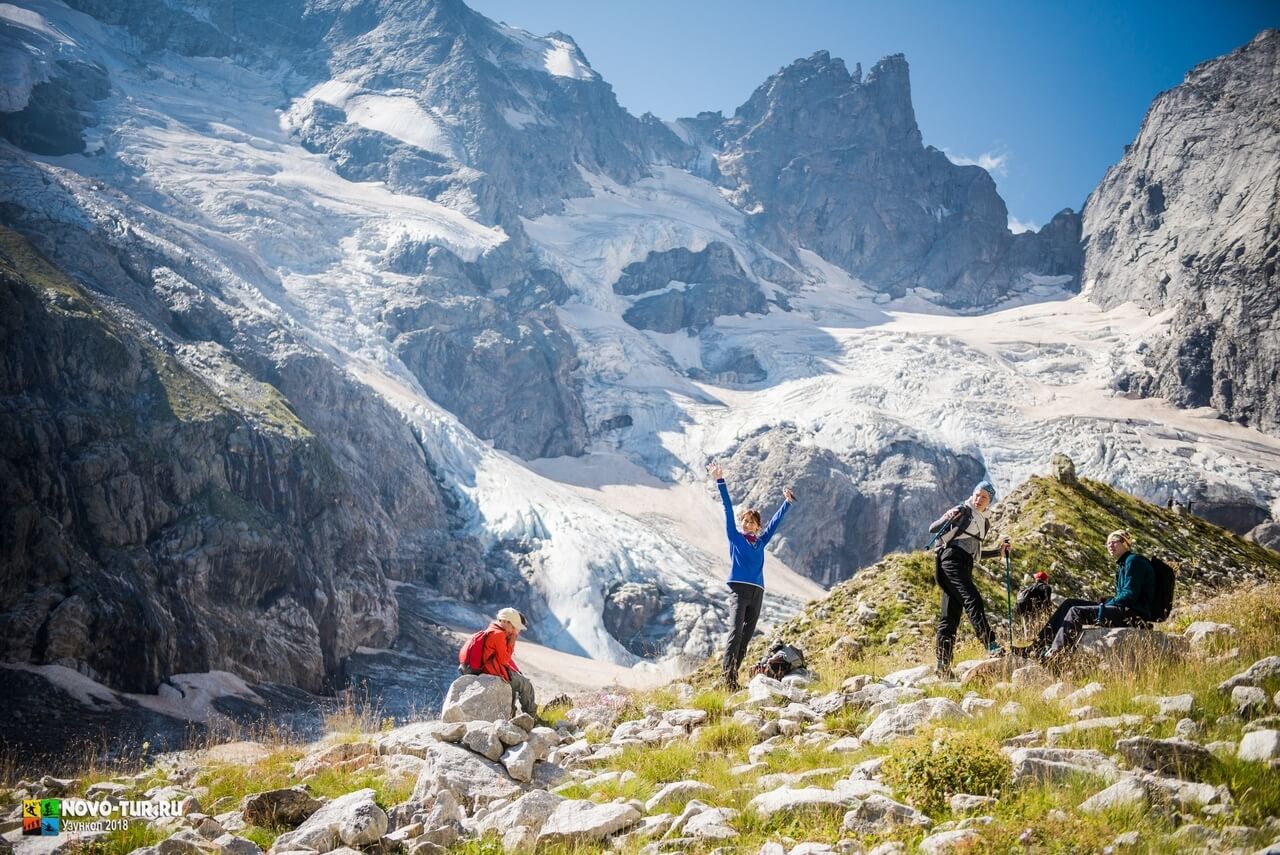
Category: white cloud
[1016,225]
[993,162]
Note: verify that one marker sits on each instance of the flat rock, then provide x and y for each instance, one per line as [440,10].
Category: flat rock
[711,824]
[1127,648]
[477,698]
[966,803]
[1127,792]
[909,676]
[990,670]
[786,799]
[905,720]
[764,689]
[579,821]
[1179,756]
[1115,722]
[1054,765]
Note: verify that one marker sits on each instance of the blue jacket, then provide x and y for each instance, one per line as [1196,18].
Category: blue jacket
[1135,584]
[747,558]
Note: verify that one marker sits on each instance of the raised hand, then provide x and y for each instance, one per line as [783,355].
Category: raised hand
[788,495]
[714,470]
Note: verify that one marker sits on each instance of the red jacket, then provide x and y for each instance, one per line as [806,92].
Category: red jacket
[497,654]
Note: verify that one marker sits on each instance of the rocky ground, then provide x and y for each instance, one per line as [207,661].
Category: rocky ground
[1149,742]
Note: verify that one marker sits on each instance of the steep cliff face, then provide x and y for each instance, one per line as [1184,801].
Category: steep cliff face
[151,529]
[836,164]
[1189,222]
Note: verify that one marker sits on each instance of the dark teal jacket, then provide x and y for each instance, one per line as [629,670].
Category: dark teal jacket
[1135,584]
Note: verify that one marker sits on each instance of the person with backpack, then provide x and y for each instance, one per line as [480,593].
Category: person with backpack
[1034,598]
[492,651]
[1135,602]
[746,571]
[959,534]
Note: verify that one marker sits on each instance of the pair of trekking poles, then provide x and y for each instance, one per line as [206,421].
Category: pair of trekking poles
[1008,574]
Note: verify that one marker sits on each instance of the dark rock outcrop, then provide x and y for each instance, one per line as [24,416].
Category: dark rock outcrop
[835,163]
[695,289]
[1189,220]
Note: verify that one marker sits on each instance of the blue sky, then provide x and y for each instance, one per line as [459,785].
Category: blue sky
[1047,93]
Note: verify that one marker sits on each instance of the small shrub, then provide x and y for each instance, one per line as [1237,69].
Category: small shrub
[930,768]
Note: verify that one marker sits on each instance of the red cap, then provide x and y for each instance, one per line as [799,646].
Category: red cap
[1042,576]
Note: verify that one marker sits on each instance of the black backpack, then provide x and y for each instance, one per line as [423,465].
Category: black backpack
[1162,604]
[781,660]
[1035,597]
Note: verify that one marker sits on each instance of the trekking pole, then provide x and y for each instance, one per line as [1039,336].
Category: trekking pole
[945,528]
[1008,595]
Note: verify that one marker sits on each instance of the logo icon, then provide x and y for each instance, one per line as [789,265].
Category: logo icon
[41,817]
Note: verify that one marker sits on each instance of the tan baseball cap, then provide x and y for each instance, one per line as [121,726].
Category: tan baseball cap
[514,618]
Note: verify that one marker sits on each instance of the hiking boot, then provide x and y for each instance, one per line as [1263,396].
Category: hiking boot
[1030,651]
[994,650]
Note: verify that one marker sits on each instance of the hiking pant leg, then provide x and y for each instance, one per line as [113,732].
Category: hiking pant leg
[521,691]
[1050,630]
[948,615]
[747,600]
[957,567]
[1074,622]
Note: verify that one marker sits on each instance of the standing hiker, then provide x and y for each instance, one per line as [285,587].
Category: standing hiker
[960,532]
[746,571]
[492,651]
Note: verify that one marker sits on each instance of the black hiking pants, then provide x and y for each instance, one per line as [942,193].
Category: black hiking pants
[1072,616]
[747,600]
[953,571]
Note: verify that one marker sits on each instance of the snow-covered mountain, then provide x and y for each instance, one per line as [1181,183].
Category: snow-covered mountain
[419,321]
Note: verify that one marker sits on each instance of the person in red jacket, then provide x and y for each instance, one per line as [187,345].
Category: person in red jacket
[497,657]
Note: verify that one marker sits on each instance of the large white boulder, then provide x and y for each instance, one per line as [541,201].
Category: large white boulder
[905,720]
[786,799]
[473,780]
[1128,648]
[1052,765]
[477,698]
[530,810]
[580,821]
[1260,745]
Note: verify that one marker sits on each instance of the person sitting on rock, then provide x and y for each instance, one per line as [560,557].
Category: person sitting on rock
[496,657]
[961,532]
[746,572]
[1131,605]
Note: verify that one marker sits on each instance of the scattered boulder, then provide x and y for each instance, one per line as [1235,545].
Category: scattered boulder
[1260,745]
[905,720]
[482,738]
[413,739]
[876,811]
[477,698]
[1178,756]
[518,761]
[1115,722]
[764,689]
[711,824]
[948,841]
[230,844]
[530,811]
[1263,669]
[965,803]
[344,755]
[1127,792]
[1064,469]
[1249,701]
[1079,696]
[990,670]
[284,808]
[577,820]
[352,820]
[1204,634]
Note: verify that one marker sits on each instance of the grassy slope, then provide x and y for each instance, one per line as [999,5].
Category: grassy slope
[1055,527]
